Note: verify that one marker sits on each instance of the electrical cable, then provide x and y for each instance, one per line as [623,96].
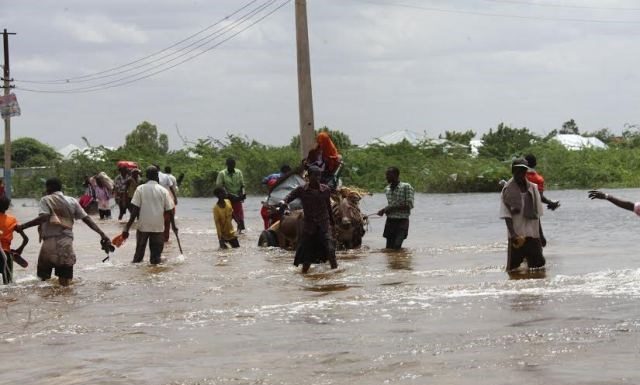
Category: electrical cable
[104,87]
[478,13]
[177,54]
[550,5]
[71,79]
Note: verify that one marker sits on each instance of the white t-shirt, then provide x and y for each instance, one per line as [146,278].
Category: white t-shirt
[153,200]
[525,227]
[165,180]
[174,181]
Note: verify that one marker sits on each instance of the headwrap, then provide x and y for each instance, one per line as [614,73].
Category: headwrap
[329,151]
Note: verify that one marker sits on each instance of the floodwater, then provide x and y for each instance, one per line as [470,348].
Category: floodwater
[440,312]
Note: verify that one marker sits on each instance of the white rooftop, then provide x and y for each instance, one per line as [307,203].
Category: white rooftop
[577,142]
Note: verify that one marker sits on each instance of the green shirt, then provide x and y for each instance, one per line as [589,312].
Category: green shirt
[402,195]
[232,182]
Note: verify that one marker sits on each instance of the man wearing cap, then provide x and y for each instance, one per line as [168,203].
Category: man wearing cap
[232,181]
[315,244]
[521,208]
[150,203]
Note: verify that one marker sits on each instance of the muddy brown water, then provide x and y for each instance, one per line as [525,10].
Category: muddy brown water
[440,312]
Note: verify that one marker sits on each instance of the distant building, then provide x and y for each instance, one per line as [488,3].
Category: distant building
[396,137]
[576,142]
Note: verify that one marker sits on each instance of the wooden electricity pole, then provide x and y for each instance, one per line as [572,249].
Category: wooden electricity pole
[6,77]
[305,100]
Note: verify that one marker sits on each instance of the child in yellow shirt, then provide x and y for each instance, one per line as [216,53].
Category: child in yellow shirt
[222,215]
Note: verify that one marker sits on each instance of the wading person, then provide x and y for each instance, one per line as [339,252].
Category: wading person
[222,215]
[537,179]
[400,197]
[57,215]
[315,244]
[150,203]
[521,208]
[233,182]
[169,182]
[104,191]
[9,224]
[120,190]
[132,184]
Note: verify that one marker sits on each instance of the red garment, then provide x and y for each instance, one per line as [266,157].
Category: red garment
[238,211]
[330,153]
[534,177]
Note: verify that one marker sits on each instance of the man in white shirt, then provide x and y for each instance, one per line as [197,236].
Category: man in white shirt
[169,182]
[150,203]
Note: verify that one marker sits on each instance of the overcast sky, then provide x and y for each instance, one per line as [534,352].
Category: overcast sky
[379,66]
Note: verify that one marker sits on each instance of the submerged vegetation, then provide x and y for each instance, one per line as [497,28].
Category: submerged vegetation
[441,166]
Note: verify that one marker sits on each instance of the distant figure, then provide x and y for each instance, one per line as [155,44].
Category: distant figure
[534,177]
[89,196]
[271,179]
[57,215]
[315,244]
[9,224]
[269,217]
[174,181]
[233,182]
[132,184]
[169,182]
[104,192]
[222,215]
[150,204]
[521,208]
[400,196]
[325,156]
[3,192]
[120,190]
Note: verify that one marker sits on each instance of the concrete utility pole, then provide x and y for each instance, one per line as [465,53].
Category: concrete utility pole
[7,121]
[305,99]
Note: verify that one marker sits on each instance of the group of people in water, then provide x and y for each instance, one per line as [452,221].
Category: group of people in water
[152,204]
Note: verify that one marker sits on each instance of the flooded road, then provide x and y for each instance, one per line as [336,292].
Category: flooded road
[440,312]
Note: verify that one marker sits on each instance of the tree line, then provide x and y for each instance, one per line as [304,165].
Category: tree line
[444,166]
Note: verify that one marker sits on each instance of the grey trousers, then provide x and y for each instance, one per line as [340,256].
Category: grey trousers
[156,244]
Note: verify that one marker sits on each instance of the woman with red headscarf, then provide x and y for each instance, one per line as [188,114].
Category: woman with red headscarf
[330,155]
[325,156]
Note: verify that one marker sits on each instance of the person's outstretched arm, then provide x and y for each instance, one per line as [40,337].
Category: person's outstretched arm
[596,194]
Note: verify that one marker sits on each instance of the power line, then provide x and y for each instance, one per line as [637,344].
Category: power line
[178,54]
[101,87]
[477,13]
[551,5]
[72,79]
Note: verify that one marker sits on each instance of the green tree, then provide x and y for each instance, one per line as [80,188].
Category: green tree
[460,137]
[30,152]
[570,127]
[144,138]
[604,134]
[505,142]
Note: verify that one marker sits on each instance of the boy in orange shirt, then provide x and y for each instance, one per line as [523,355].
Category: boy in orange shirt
[8,224]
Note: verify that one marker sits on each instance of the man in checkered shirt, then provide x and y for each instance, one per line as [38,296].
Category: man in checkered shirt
[399,205]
